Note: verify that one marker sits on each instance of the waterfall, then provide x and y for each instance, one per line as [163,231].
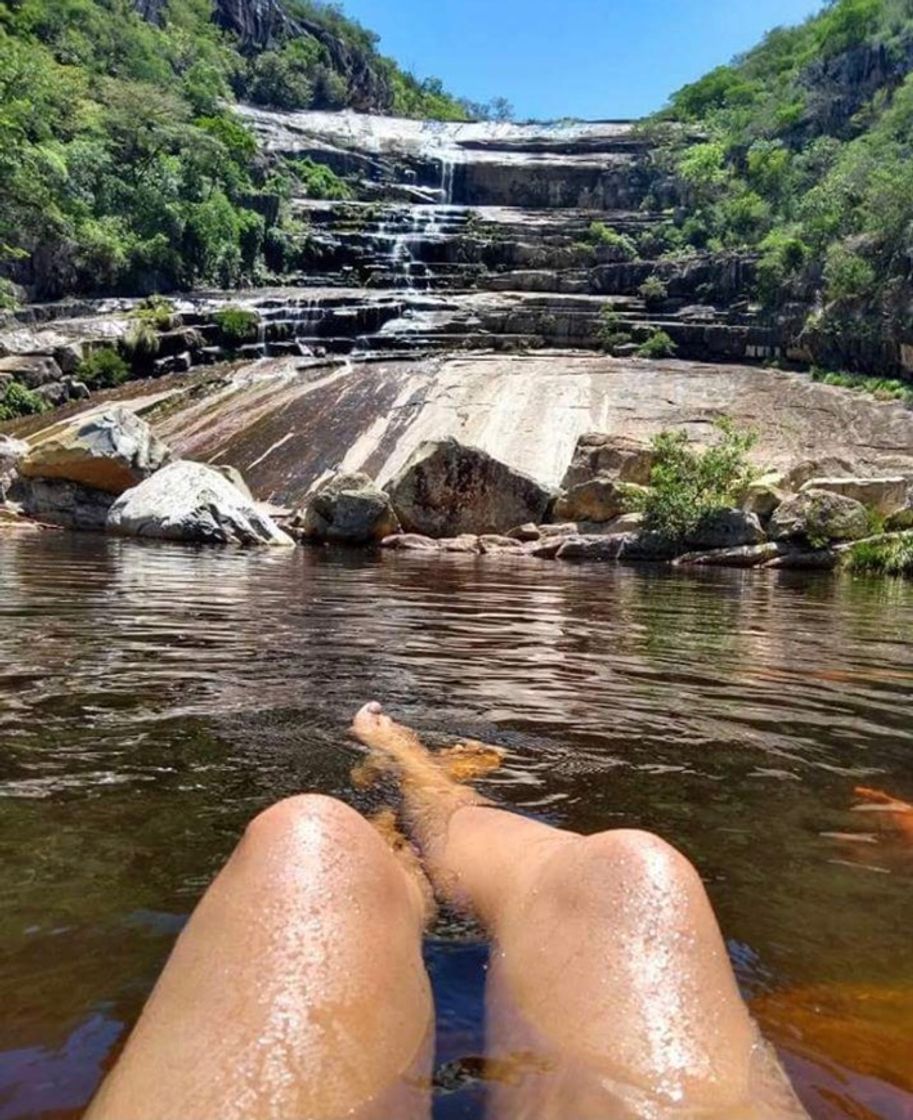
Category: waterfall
[448,168]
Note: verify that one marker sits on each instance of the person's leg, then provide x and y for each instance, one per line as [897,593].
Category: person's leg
[297,989]
[610,992]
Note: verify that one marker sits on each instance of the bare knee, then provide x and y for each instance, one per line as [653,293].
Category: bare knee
[641,855]
[308,813]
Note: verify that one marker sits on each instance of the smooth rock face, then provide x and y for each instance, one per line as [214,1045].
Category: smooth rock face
[818,515]
[726,528]
[348,509]
[599,549]
[191,502]
[618,456]
[599,499]
[234,476]
[410,542]
[883,495]
[59,502]
[12,452]
[31,370]
[764,495]
[447,489]
[110,451]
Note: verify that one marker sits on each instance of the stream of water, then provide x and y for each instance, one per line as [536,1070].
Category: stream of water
[152,699]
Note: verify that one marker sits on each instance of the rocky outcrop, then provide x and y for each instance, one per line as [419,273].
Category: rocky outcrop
[347,509]
[65,504]
[818,516]
[726,529]
[191,502]
[109,451]
[614,456]
[12,452]
[600,499]
[883,495]
[447,489]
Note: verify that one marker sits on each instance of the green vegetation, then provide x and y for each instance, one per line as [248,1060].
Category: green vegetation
[156,311]
[658,345]
[688,485]
[882,388]
[620,246]
[809,168]
[122,165]
[103,369]
[316,180]
[653,291]
[237,324]
[611,331]
[16,401]
[892,556]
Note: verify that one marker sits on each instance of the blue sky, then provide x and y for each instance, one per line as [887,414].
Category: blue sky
[581,58]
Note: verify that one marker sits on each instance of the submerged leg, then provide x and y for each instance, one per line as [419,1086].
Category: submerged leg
[296,990]
[610,992]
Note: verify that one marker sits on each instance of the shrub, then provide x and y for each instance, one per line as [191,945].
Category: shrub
[890,557]
[157,311]
[604,237]
[319,181]
[16,401]
[653,291]
[141,340]
[848,275]
[611,332]
[687,485]
[658,345]
[237,324]
[103,369]
[784,255]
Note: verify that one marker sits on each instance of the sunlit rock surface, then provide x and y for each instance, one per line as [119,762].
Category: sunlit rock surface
[286,424]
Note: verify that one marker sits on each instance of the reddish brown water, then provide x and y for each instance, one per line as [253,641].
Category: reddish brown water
[153,698]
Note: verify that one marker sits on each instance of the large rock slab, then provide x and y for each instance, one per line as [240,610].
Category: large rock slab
[191,502]
[447,489]
[618,456]
[110,451]
[347,509]
[883,495]
[819,516]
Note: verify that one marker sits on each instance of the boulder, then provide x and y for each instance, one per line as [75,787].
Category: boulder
[628,460]
[192,502]
[745,556]
[59,502]
[902,519]
[726,528]
[599,548]
[883,495]
[234,476]
[599,499]
[527,532]
[493,543]
[30,370]
[110,451]
[648,546]
[467,543]
[447,489]
[763,495]
[347,509]
[819,516]
[545,549]
[805,560]
[827,466]
[12,452]
[410,542]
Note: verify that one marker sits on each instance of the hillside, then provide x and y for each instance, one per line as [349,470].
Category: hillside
[122,169]
[805,157]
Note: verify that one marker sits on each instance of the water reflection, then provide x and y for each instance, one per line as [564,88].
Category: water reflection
[153,698]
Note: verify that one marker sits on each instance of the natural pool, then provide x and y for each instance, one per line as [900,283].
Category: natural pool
[152,699]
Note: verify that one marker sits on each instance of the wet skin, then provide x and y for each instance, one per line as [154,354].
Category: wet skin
[297,988]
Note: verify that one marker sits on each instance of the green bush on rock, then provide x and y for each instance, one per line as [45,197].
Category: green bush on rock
[688,485]
[892,556]
[17,401]
[658,345]
[103,369]
[237,324]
